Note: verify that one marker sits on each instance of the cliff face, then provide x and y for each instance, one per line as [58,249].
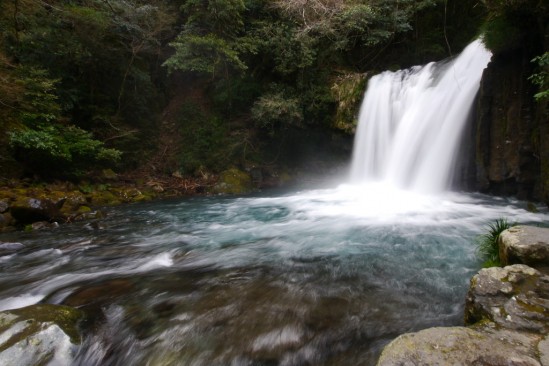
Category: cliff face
[507,131]
[511,129]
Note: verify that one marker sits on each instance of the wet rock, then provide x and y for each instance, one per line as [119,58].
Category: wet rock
[524,244]
[28,210]
[543,351]
[89,215]
[105,198]
[462,346]
[515,297]
[39,335]
[4,205]
[40,225]
[507,121]
[6,220]
[99,293]
[73,201]
[10,247]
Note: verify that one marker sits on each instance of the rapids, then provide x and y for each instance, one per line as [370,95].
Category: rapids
[323,277]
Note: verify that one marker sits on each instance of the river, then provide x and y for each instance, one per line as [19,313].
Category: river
[313,277]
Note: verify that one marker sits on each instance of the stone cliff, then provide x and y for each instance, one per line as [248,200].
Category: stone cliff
[511,129]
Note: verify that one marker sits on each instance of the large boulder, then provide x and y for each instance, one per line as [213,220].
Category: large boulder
[524,244]
[233,181]
[514,297]
[39,335]
[462,346]
[27,210]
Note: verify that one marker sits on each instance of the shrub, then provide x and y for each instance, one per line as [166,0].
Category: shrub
[275,111]
[55,150]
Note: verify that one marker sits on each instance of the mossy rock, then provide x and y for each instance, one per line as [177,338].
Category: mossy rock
[83,209]
[39,334]
[26,210]
[104,198]
[233,181]
[65,317]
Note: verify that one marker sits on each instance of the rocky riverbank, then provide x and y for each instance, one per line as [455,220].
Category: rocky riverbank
[506,313]
[27,205]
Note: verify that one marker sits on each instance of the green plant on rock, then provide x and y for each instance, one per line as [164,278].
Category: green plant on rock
[487,244]
[348,90]
[541,78]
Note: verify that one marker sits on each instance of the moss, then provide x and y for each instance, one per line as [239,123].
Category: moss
[35,316]
[104,198]
[348,90]
[233,181]
[83,209]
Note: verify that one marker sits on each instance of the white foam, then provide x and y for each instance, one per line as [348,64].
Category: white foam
[17,302]
[159,261]
[411,122]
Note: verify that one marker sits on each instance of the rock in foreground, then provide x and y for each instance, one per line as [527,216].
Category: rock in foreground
[507,310]
[524,244]
[462,346]
[39,335]
[514,297]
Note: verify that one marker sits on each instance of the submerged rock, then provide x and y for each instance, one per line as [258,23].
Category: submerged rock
[10,247]
[39,335]
[524,244]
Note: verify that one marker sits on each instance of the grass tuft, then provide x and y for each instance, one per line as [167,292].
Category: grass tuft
[487,244]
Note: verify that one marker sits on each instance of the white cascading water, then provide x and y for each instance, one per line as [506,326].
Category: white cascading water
[411,122]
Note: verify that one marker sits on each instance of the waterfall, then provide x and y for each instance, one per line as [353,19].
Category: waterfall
[411,122]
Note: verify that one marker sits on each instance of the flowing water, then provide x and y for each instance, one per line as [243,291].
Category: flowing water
[319,277]
[316,277]
[411,122]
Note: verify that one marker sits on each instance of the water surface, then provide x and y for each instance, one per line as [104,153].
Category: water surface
[317,277]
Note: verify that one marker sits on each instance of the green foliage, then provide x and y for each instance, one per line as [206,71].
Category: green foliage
[510,24]
[348,90]
[209,43]
[66,151]
[541,78]
[275,111]
[500,34]
[39,105]
[106,68]
[205,143]
[487,244]
[289,50]
[221,17]
[207,54]
[92,64]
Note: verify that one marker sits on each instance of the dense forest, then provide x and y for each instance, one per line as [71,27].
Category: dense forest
[192,87]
